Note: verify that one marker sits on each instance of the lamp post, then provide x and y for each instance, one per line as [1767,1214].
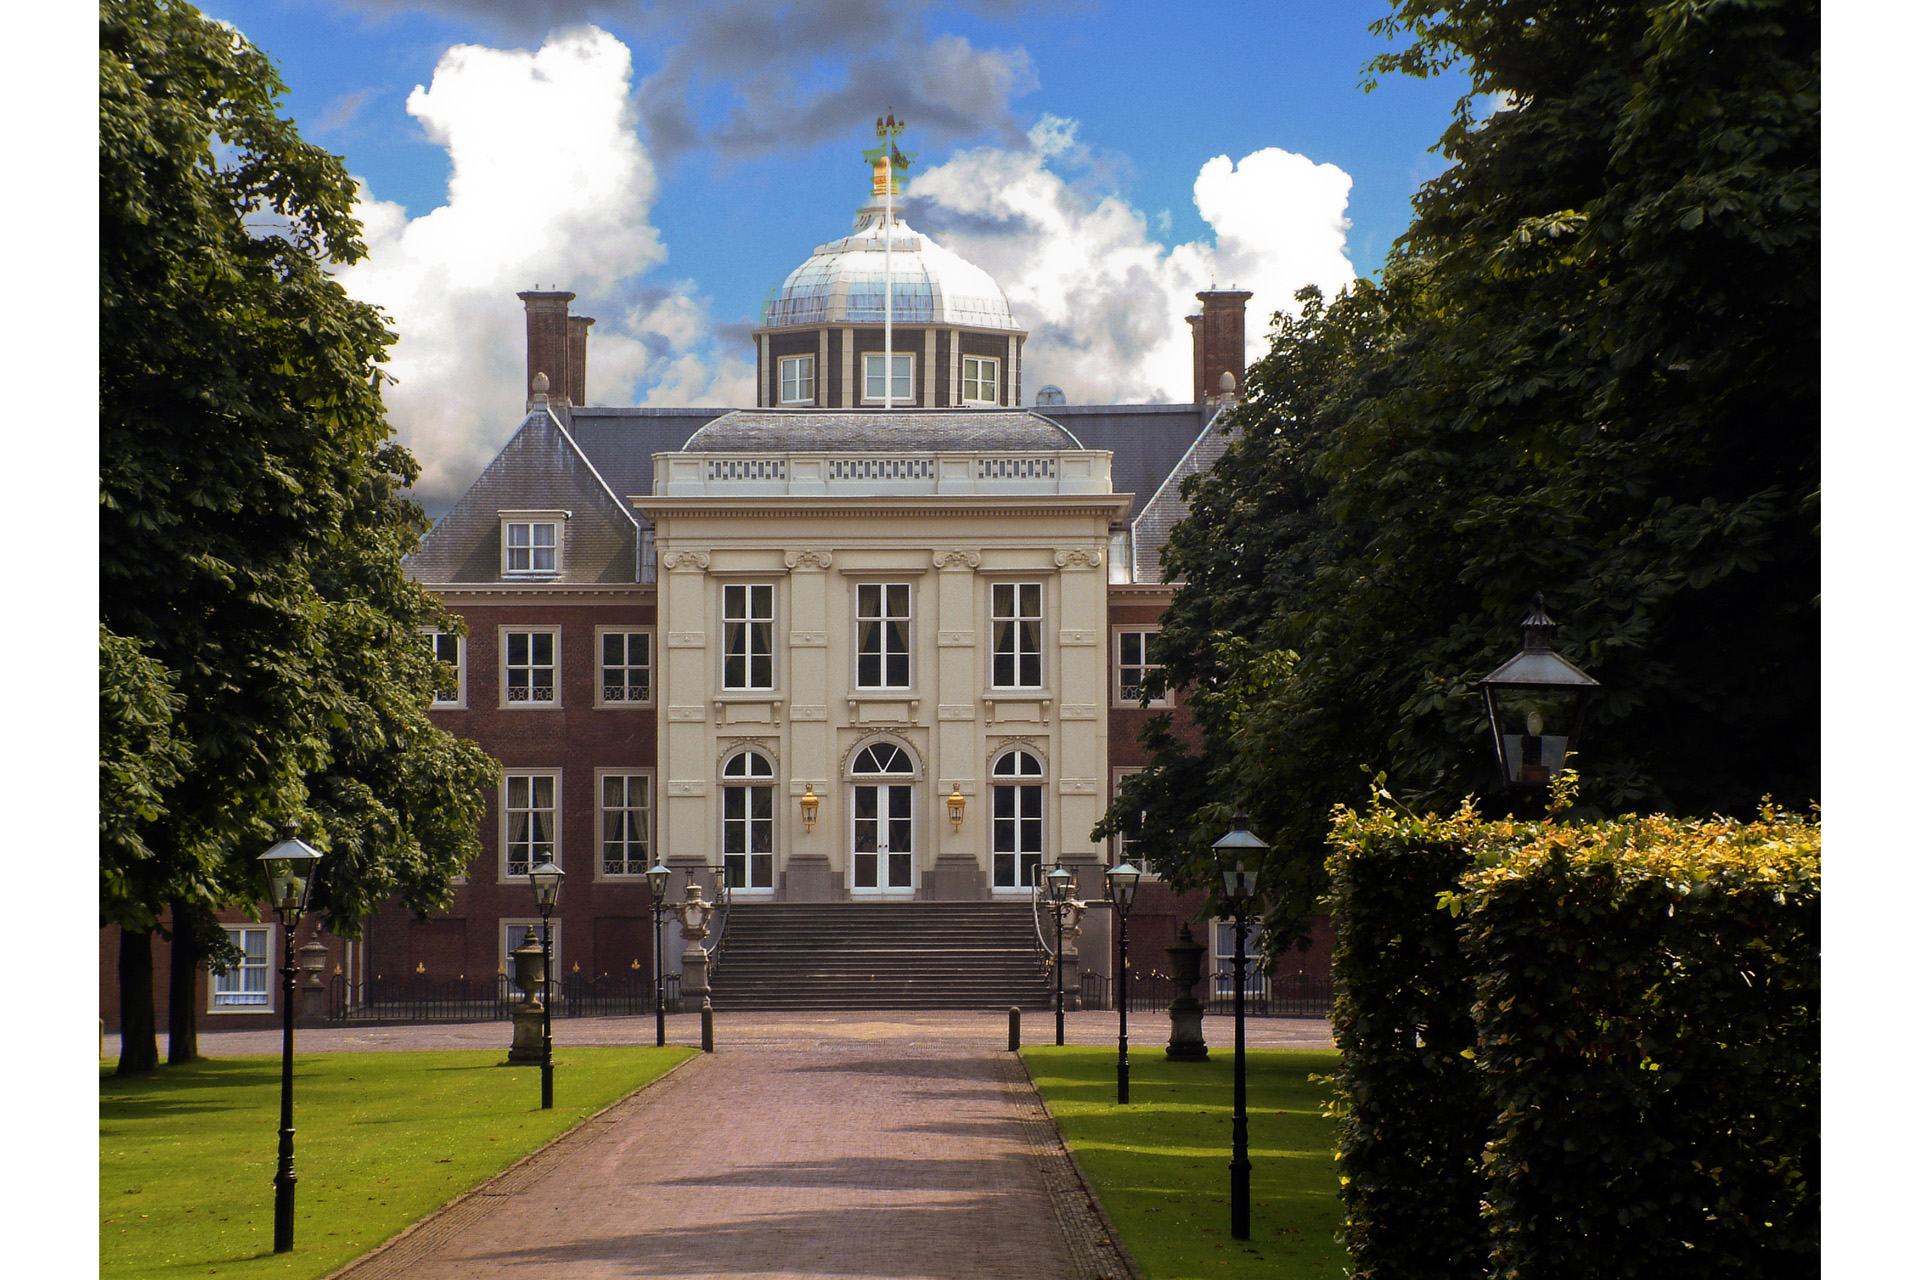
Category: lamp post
[1121,882]
[290,867]
[1059,889]
[546,891]
[1536,701]
[657,877]
[1237,855]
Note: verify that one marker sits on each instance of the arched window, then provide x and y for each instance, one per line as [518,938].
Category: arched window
[1019,828]
[746,821]
[883,827]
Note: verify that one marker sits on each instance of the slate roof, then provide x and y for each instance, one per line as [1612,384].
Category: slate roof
[1146,440]
[901,431]
[1166,508]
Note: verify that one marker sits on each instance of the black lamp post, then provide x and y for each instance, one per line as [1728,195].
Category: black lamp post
[657,877]
[1059,889]
[1237,854]
[290,871]
[1536,701]
[1121,882]
[546,892]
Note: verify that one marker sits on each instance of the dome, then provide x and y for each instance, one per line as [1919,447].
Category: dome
[844,282]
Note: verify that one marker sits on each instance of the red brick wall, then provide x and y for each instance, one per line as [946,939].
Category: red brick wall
[308,931]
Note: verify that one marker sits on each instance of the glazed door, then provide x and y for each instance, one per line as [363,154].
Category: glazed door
[883,837]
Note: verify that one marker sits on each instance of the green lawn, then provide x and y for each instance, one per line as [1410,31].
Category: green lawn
[1160,1163]
[187,1155]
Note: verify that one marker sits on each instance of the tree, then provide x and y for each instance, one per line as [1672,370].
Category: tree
[250,535]
[1591,369]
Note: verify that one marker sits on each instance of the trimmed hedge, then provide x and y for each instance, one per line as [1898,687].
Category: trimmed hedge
[1577,1051]
[1649,1026]
[1410,1113]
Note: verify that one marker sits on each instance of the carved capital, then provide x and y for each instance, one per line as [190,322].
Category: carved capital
[956,559]
[1077,558]
[809,559]
[685,561]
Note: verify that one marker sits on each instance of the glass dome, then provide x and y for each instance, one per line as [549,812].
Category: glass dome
[844,282]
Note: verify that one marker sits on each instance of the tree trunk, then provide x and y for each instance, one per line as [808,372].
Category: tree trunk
[139,1051]
[183,1026]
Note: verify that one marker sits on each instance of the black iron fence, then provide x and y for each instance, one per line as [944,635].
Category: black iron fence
[1294,995]
[421,998]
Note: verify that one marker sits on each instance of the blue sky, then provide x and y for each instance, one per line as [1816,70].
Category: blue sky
[672,161]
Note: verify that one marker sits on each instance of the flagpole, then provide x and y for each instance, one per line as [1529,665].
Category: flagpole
[888,140]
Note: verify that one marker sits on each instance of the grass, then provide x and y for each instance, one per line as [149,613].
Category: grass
[187,1155]
[1159,1164]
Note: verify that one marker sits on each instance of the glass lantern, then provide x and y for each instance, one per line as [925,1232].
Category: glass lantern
[1535,703]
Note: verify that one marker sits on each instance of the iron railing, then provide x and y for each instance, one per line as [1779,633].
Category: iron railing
[1294,995]
[421,998]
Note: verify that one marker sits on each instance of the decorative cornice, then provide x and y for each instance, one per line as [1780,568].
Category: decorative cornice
[1077,558]
[809,559]
[558,592]
[956,559]
[685,561]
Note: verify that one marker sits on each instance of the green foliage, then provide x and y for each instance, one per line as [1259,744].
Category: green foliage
[1577,1050]
[252,518]
[187,1155]
[1412,1112]
[1648,1006]
[1158,1163]
[1590,368]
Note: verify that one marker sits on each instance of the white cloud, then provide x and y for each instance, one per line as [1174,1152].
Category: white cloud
[1105,302]
[549,184]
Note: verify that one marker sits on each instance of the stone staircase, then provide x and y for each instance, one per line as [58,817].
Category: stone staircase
[881,955]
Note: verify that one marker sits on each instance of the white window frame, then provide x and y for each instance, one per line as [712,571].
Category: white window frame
[911,779]
[649,809]
[652,667]
[530,520]
[1220,945]
[978,373]
[1119,696]
[860,620]
[269,1004]
[1016,783]
[528,703]
[507,778]
[1038,624]
[750,621]
[508,924]
[797,372]
[747,782]
[866,377]
[459,701]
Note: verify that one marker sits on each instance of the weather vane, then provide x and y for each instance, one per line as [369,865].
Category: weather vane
[888,160]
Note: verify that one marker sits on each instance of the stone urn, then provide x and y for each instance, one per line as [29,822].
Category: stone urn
[696,920]
[529,969]
[1186,1010]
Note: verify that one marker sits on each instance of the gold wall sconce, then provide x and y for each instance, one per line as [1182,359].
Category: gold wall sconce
[809,807]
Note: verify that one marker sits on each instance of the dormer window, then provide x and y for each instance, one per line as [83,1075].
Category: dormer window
[796,380]
[530,543]
[979,380]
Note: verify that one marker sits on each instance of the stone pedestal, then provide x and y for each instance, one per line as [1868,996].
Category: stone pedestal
[957,878]
[313,1002]
[527,1018]
[1186,1011]
[1070,977]
[810,878]
[693,974]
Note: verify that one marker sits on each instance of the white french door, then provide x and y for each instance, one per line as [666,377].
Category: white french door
[882,837]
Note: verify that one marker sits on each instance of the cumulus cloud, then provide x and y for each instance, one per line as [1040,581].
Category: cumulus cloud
[1104,302]
[548,184]
[790,75]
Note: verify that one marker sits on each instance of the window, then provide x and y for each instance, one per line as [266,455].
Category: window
[247,985]
[1018,836]
[796,380]
[883,615]
[626,667]
[979,380]
[876,371]
[450,679]
[515,932]
[649,556]
[532,547]
[532,822]
[746,821]
[1256,979]
[746,612]
[1131,667]
[883,818]
[1125,848]
[626,811]
[532,667]
[1016,635]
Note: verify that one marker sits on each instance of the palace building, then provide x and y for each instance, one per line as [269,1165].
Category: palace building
[872,645]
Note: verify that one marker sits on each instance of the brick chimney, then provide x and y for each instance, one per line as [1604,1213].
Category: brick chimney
[576,384]
[1219,341]
[549,329]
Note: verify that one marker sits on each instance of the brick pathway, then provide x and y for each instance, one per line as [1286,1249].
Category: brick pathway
[857,1145]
